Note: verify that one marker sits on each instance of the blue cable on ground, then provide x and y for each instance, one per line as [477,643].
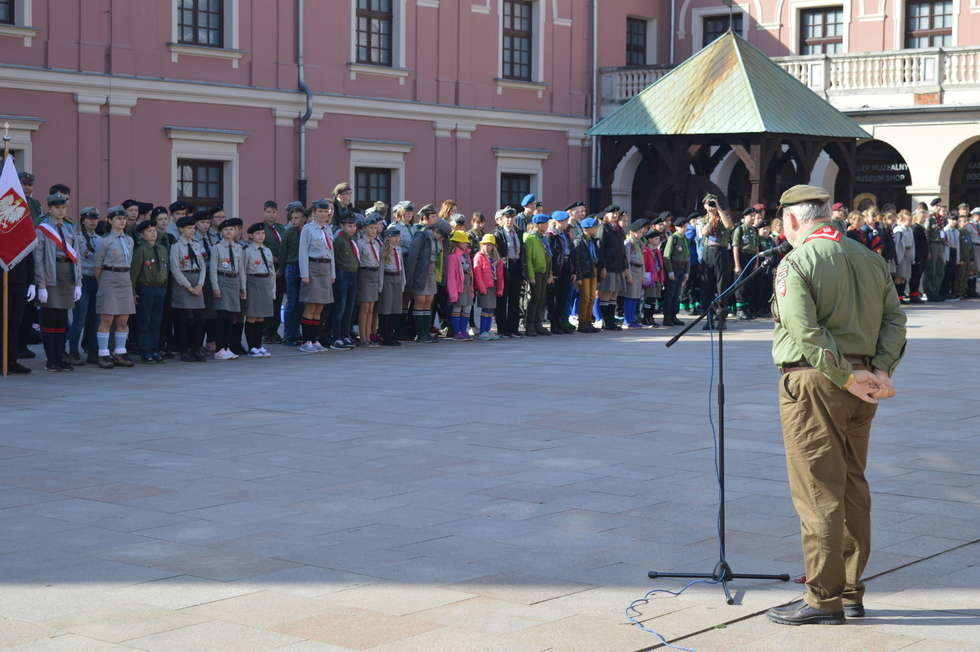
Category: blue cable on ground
[646,599]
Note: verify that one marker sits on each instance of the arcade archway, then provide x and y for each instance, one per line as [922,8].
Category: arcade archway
[882,173]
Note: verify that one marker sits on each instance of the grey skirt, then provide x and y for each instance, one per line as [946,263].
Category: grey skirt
[465,298]
[390,302]
[62,295]
[182,299]
[487,301]
[320,289]
[633,283]
[260,295]
[368,285]
[115,296]
[231,297]
[614,282]
[429,288]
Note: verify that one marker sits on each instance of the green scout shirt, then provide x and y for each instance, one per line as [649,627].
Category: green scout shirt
[36,210]
[934,233]
[150,265]
[677,253]
[746,239]
[966,246]
[344,257]
[290,246]
[722,235]
[833,297]
[275,236]
[537,260]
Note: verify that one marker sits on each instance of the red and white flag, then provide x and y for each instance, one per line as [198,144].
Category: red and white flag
[17,236]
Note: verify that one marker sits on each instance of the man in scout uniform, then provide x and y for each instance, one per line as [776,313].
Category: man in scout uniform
[537,271]
[840,333]
[612,266]
[149,271]
[343,205]
[932,278]
[58,279]
[717,266]
[677,256]
[275,234]
[745,242]
[27,183]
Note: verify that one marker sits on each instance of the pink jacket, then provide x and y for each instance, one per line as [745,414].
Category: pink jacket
[483,274]
[454,274]
[654,266]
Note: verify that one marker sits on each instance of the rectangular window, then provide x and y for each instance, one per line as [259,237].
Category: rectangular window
[371,185]
[929,24]
[201,183]
[517,39]
[201,22]
[715,26]
[513,188]
[374,23]
[822,30]
[7,12]
[636,42]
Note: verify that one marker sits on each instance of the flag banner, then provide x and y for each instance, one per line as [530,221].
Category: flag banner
[17,236]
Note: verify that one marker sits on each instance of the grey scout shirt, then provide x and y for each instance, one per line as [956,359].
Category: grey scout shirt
[227,260]
[187,263]
[315,242]
[46,257]
[114,250]
[86,251]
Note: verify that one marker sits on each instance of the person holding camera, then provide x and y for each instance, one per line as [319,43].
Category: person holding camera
[717,265]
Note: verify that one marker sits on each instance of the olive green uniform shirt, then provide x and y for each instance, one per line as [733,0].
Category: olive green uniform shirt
[833,297]
[966,246]
[290,246]
[746,239]
[720,235]
[149,265]
[677,253]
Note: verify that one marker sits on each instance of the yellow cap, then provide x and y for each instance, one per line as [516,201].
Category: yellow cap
[459,236]
[489,239]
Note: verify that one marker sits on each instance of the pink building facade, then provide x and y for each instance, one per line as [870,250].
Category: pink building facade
[477,100]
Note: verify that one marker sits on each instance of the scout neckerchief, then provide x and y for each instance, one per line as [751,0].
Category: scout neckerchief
[824,233]
[353,246]
[121,240]
[156,257]
[264,259]
[326,241]
[57,236]
[275,231]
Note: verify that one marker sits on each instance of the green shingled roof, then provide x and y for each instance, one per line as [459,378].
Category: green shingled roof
[729,87]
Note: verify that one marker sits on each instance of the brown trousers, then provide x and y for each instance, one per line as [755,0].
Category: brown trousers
[825,432]
[586,297]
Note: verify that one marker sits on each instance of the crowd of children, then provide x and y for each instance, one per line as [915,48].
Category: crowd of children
[196,284]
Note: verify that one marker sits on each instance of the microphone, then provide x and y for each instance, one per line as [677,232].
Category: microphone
[780,250]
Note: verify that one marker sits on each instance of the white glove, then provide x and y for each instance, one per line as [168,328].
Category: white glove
[42,295]
[78,292]
[31,293]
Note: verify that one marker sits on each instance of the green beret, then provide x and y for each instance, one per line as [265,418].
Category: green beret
[802,193]
[341,188]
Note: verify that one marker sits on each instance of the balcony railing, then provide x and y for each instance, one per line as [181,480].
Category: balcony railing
[908,71]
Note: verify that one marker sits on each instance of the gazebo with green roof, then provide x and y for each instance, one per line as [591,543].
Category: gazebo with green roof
[729,97]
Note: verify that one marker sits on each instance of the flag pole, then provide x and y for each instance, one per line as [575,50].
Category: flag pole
[6,273]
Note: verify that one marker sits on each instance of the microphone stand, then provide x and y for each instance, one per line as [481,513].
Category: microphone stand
[722,571]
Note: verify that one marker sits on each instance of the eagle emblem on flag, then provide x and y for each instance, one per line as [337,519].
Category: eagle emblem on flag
[13,208]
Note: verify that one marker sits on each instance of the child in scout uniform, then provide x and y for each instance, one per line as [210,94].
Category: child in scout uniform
[315,258]
[227,268]
[586,259]
[206,238]
[537,271]
[612,266]
[459,285]
[488,280]
[393,287]
[347,261]
[677,256]
[58,278]
[635,271]
[260,288]
[275,234]
[509,248]
[745,243]
[560,244]
[114,302]
[421,265]
[165,237]
[188,267]
[150,271]
[653,277]
[293,312]
[370,278]
[84,319]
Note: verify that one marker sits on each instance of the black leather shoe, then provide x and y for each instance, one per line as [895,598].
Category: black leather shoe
[800,613]
[17,368]
[105,362]
[854,610]
[122,360]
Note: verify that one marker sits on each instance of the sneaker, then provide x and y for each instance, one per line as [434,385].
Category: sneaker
[66,366]
[53,367]
[338,345]
[75,360]
[158,358]
[265,352]
[254,353]
[224,354]
[147,359]
[463,337]
[308,347]
[485,337]
[349,343]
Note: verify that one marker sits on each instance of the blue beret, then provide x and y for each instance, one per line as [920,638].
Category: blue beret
[560,216]
[115,211]
[321,203]
[588,223]
[56,199]
[540,219]
[528,199]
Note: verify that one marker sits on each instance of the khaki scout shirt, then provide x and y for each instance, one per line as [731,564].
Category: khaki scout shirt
[832,298]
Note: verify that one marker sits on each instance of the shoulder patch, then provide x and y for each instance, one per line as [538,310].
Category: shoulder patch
[825,233]
[781,273]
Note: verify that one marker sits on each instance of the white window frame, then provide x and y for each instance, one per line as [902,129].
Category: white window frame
[231,50]
[21,28]
[796,25]
[697,23]
[520,160]
[208,145]
[398,67]
[386,154]
[21,128]
[537,46]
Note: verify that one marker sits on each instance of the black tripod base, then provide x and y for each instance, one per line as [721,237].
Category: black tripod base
[723,574]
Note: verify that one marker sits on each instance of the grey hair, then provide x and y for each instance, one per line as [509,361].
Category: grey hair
[811,211]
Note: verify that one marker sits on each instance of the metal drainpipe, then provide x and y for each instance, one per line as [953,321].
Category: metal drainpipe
[595,93]
[301,177]
[673,28]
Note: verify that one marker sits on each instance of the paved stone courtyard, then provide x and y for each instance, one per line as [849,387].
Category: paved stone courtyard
[484,496]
